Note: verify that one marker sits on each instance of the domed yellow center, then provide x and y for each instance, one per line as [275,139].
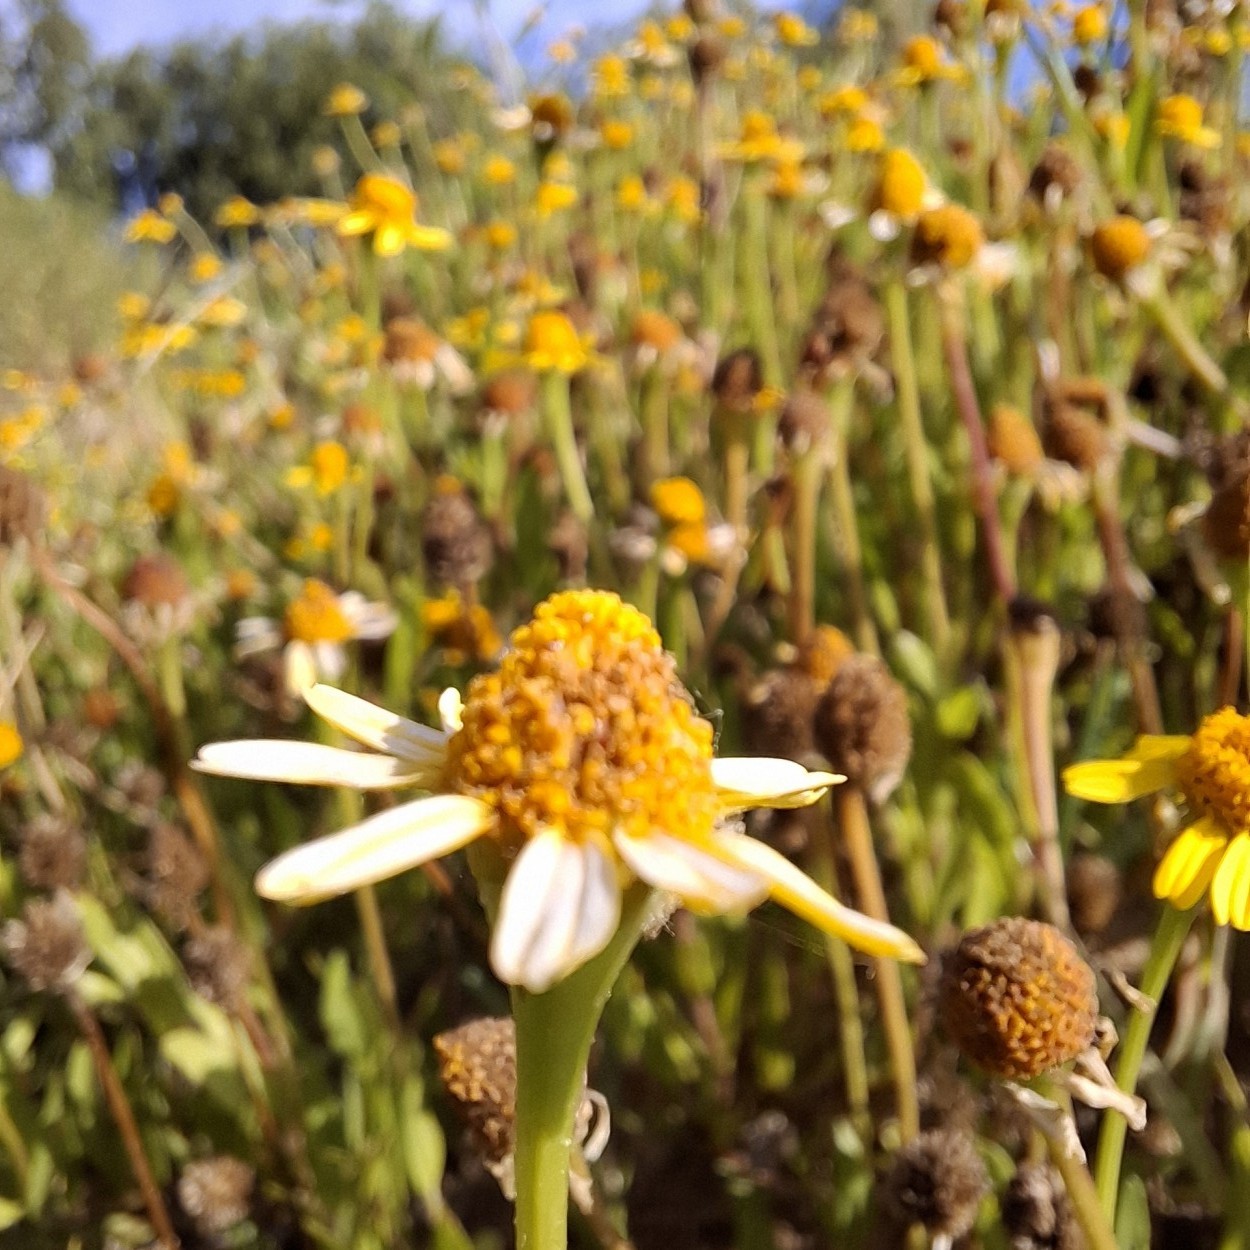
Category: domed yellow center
[585,728]
[316,616]
[1214,773]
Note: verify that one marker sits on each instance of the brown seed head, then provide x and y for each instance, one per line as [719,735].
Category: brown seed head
[47,947]
[862,726]
[707,54]
[654,329]
[155,580]
[737,380]
[1017,998]
[778,719]
[408,339]
[1075,436]
[22,508]
[1094,890]
[951,16]
[219,967]
[511,393]
[53,853]
[847,327]
[937,1180]
[803,423]
[216,1193]
[1036,1212]
[454,541]
[176,875]
[1013,441]
[477,1065]
[1056,168]
[1118,246]
[100,708]
[1226,522]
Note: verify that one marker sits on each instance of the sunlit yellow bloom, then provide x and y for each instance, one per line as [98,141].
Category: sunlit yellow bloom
[583,760]
[678,501]
[465,631]
[500,235]
[1180,117]
[499,171]
[847,99]
[923,61]
[1118,246]
[11,745]
[631,195]
[759,140]
[204,267]
[327,468]
[308,210]
[150,227]
[1211,770]
[683,198]
[224,311]
[345,100]
[237,212]
[793,30]
[610,77]
[679,28]
[864,135]
[449,156]
[552,343]
[901,185]
[384,207]
[554,197]
[1089,25]
[616,135]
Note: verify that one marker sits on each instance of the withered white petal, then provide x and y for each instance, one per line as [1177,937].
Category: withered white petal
[702,881]
[760,781]
[793,889]
[380,847]
[307,764]
[375,726]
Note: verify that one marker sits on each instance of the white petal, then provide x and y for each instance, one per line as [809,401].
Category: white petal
[330,660]
[375,726]
[560,906]
[793,889]
[753,781]
[368,620]
[299,667]
[377,848]
[703,882]
[451,710]
[307,764]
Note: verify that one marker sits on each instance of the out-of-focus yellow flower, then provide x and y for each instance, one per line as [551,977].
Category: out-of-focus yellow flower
[865,135]
[1113,126]
[500,235]
[386,134]
[901,185]
[651,44]
[133,306]
[680,28]
[847,100]
[152,338]
[466,632]
[682,199]
[150,227]
[1118,246]
[1089,25]
[553,344]
[562,52]
[788,181]
[948,235]
[610,77]
[282,416]
[237,212]
[1180,117]
[384,207]
[554,197]
[449,156]
[759,140]
[923,61]
[211,383]
[297,210]
[678,501]
[170,204]
[857,26]
[731,27]
[499,171]
[204,267]
[223,312]
[345,100]
[616,135]
[793,31]
[327,469]
[325,161]
[631,195]
[11,745]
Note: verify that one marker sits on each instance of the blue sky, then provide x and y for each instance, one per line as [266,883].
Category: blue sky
[116,26]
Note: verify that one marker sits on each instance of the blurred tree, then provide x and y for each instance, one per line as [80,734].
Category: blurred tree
[213,120]
[45,66]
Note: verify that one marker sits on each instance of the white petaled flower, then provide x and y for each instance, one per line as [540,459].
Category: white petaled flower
[586,763]
[313,632]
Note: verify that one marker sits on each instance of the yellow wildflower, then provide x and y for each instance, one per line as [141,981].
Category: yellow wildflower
[11,745]
[150,227]
[1180,117]
[384,207]
[345,100]
[552,343]
[237,212]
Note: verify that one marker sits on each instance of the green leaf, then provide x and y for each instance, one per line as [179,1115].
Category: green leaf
[1132,1224]
[340,1010]
[425,1151]
[915,663]
[959,713]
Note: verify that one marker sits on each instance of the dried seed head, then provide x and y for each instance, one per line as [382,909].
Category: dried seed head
[1013,441]
[707,55]
[1056,175]
[409,341]
[511,393]
[1017,998]
[455,542]
[155,580]
[216,1193]
[1075,436]
[862,726]
[738,380]
[570,546]
[1118,245]
[22,508]
[477,1065]
[100,708]
[937,1180]
[1036,1212]
[803,423]
[176,875]
[53,854]
[1094,890]
[1226,522]
[951,16]
[1204,200]
[655,330]
[847,327]
[219,967]
[949,236]
[47,947]
[778,720]
[1117,612]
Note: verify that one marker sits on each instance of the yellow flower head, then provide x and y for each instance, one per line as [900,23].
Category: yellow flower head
[794,31]
[611,77]
[948,235]
[616,135]
[345,100]
[1089,25]
[1180,117]
[150,227]
[553,344]
[1211,771]
[499,171]
[901,185]
[554,197]
[237,212]
[923,61]
[678,501]
[384,207]
[11,745]
[386,134]
[1118,245]
[316,616]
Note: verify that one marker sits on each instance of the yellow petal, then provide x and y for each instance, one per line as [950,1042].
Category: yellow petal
[1159,747]
[1118,781]
[1230,888]
[1189,863]
[429,238]
[389,239]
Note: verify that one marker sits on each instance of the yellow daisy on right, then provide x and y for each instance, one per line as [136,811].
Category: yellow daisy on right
[1211,771]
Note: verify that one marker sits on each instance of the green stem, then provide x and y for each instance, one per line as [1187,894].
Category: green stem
[1172,325]
[1165,949]
[558,418]
[554,1031]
